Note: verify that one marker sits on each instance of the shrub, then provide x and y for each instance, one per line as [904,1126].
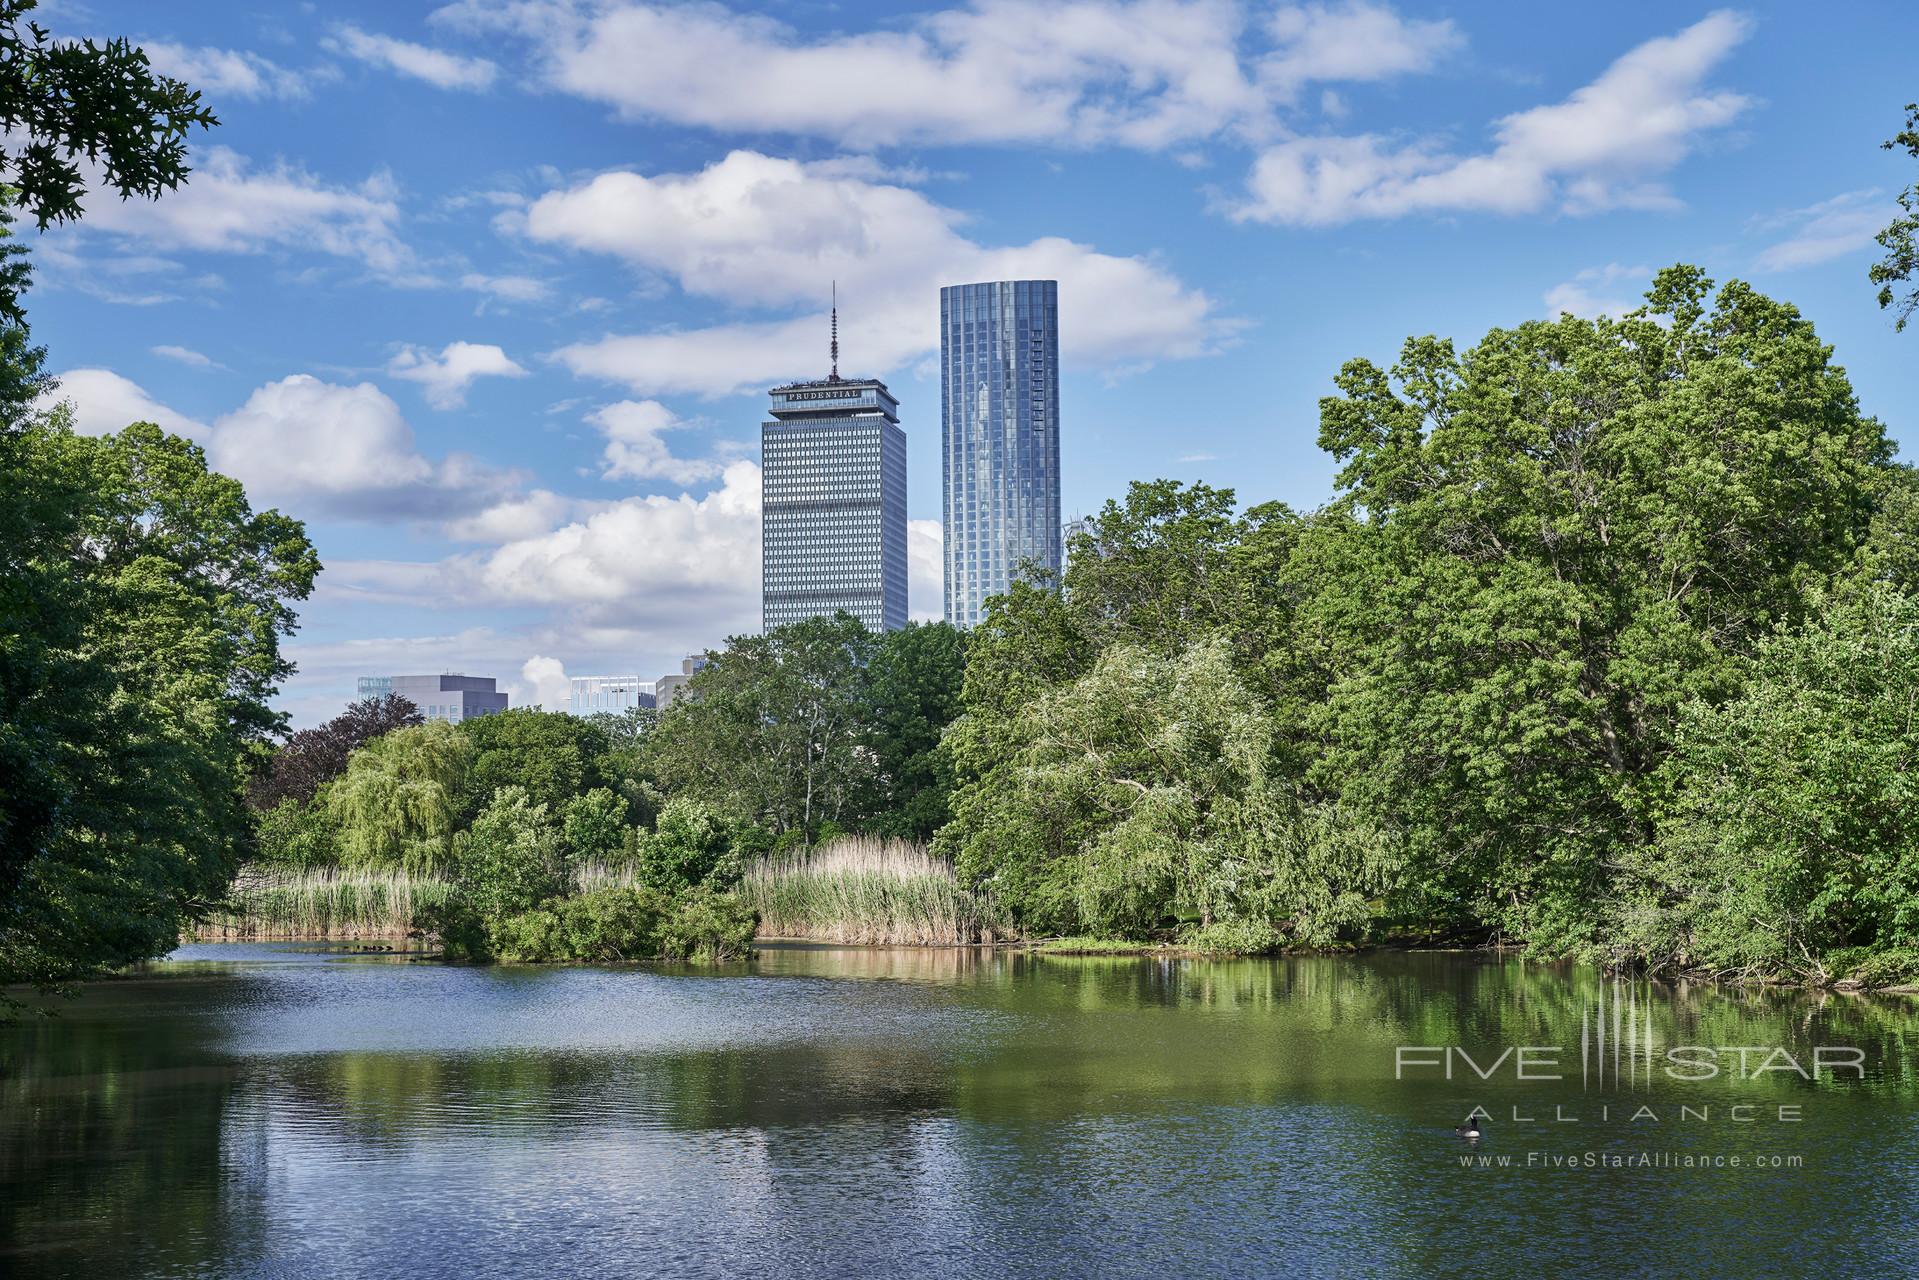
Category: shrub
[691,845]
[595,826]
[512,860]
[705,926]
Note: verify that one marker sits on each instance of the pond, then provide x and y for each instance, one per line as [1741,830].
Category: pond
[248,1110]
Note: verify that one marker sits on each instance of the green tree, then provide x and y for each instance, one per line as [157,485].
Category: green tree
[1900,239]
[1795,833]
[1549,547]
[776,729]
[512,859]
[298,835]
[595,826]
[553,755]
[397,802]
[148,587]
[1143,794]
[693,846]
[314,757]
[65,100]
[916,678]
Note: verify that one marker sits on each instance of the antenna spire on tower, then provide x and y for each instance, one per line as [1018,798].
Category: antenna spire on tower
[835,348]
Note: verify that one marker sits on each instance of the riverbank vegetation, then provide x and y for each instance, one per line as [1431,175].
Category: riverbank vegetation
[1605,644]
[867,890]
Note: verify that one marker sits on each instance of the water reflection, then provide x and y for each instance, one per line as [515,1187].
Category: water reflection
[269,1111]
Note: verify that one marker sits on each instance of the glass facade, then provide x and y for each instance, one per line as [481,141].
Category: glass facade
[590,695]
[999,417]
[833,504]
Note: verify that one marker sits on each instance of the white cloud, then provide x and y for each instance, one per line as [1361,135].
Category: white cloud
[520,516]
[671,556]
[1138,73]
[1352,42]
[447,376]
[547,679]
[103,402]
[1830,229]
[925,571]
[759,231]
[224,72]
[435,66]
[507,288]
[1603,147]
[634,449]
[1595,292]
[314,446]
[229,208]
[186,356]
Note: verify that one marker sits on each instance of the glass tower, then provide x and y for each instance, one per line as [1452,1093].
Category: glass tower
[833,503]
[999,416]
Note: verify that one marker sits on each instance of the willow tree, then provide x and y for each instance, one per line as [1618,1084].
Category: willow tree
[396,803]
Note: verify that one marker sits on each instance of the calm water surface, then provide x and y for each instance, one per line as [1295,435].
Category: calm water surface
[286,1112]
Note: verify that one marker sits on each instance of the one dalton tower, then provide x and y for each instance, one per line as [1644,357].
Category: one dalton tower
[833,500]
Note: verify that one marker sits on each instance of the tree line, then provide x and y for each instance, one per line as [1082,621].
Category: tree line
[1605,644]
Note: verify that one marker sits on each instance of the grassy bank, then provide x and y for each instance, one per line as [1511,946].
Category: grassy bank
[869,891]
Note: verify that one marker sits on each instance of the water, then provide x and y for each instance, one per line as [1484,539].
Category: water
[285,1112]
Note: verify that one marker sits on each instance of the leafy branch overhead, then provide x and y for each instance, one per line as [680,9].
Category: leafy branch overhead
[68,106]
[1900,240]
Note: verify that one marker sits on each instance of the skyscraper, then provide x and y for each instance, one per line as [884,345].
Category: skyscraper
[833,501]
[999,417]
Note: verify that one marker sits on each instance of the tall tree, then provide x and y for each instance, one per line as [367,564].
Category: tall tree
[776,730]
[916,678]
[1900,239]
[162,637]
[1554,543]
[553,755]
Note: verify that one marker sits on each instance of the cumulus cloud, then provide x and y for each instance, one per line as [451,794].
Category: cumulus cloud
[1140,73]
[313,447]
[547,680]
[230,207]
[103,402]
[344,450]
[435,66]
[1603,147]
[1611,290]
[658,553]
[445,377]
[219,73]
[634,449]
[759,231]
[1830,229]
[520,516]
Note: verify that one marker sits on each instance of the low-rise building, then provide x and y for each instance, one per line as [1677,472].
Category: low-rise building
[450,696]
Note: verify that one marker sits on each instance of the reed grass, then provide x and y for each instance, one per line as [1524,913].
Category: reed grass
[863,890]
[268,905]
[323,903]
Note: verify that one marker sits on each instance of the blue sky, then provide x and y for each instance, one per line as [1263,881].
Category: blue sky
[489,293]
